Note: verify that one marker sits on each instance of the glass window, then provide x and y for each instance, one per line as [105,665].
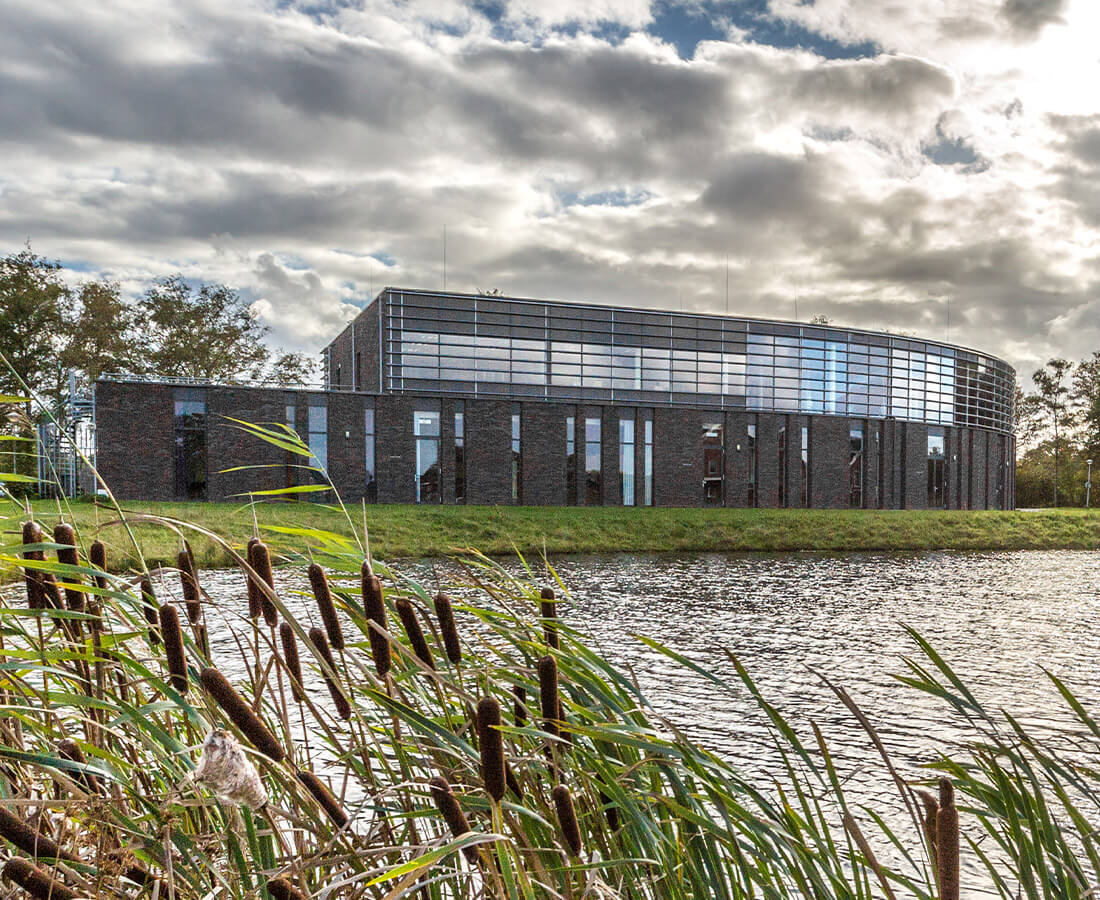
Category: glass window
[593,481]
[371,491]
[805,467]
[936,469]
[460,452]
[190,439]
[517,458]
[855,465]
[782,448]
[647,464]
[751,438]
[318,435]
[626,461]
[426,432]
[292,460]
[570,460]
[713,464]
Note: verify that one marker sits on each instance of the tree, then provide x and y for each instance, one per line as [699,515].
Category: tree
[102,334]
[1053,401]
[210,334]
[32,299]
[1086,397]
[292,370]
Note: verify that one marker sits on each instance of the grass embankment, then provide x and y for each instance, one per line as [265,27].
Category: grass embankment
[403,531]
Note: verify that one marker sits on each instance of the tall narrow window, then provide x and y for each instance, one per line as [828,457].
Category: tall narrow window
[318,434]
[805,469]
[570,461]
[647,464]
[336,377]
[626,461]
[371,490]
[460,452]
[593,473]
[190,449]
[292,459]
[782,444]
[426,432]
[517,457]
[357,383]
[936,466]
[855,465]
[713,453]
[751,440]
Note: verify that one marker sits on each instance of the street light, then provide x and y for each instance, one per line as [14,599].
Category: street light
[1088,483]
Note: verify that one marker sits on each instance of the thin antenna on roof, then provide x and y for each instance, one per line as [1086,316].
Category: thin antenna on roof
[949,318]
[444,257]
[727,284]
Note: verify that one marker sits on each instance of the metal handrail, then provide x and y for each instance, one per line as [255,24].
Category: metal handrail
[191,381]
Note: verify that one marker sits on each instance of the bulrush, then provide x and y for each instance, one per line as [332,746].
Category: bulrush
[241,714]
[324,798]
[39,884]
[189,581]
[444,611]
[567,819]
[69,749]
[149,607]
[32,534]
[281,889]
[610,810]
[255,606]
[172,635]
[293,663]
[64,534]
[375,609]
[928,823]
[947,843]
[512,782]
[411,623]
[321,593]
[548,694]
[51,593]
[97,556]
[228,772]
[29,839]
[549,611]
[491,743]
[519,705]
[447,804]
[260,560]
[343,708]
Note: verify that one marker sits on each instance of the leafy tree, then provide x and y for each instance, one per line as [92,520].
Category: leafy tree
[1086,397]
[32,299]
[1053,399]
[292,370]
[210,333]
[102,334]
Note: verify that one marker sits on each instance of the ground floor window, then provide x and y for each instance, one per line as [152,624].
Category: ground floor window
[370,491]
[460,452]
[593,454]
[626,461]
[937,459]
[190,436]
[517,458]
[713,463]
[782,453]
[292,459]
[647,464]
[426,431]
[751,446]
[571,460]
[805,468]
[317,435]
[855,465]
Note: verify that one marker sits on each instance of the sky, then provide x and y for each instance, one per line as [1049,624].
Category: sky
[925,166]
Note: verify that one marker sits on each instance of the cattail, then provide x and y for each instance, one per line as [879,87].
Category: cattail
[947,843]
[445,612]
[491,743]
[928,824]
[51,593]
[32,534]
[149,607]
[567,819]
[261,562]
[447,804]
[411,623]
[512,782]
[67,555]
[69,749]
[189,581]
[173,647]
[241,714]
[519,705]
[376,613]
[549,610]
[36,882]
[610,810]
[281,889]
[548,694]
[343,708]
[30,840]
[293,663]
[563,731]
[255,606]
[321,593]
[324,798]
[228,772]
[97,556]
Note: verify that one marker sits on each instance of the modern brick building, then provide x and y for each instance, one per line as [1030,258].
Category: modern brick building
[438,397]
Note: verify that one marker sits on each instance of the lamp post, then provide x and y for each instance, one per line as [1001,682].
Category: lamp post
[1088,483]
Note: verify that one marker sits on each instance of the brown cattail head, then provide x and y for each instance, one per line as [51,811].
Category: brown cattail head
[293,662]
[928,825]
[65,534]
[947,843]
[261,562]
[32,534]
[491,743]
[444,610]
[519,705]
[189,581]
[172,635]
[567,819]
[69,749]
[255,606]
[548,694]
[411,623]
[549,612]
[241,714]
[149,607]
[319,582]
[324,798]
[317,638]
[611,811]
[375,609]
[51,593]
[447,804]
[281,889]
[36,882]
[512,782]
[97,556]
[29,839]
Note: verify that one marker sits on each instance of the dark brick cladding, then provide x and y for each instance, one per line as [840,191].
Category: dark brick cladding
[136,453]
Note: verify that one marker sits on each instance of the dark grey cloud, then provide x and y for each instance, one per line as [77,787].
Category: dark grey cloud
[1029,17]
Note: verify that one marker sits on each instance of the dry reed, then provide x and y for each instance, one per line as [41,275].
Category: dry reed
[29,839]
[69,749]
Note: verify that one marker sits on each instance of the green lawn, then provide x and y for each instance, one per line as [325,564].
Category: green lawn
[425,531]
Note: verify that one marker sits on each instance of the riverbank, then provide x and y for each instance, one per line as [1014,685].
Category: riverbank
[403,531]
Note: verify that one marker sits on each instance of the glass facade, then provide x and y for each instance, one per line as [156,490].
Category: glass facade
[190,439]
[460,452]
[937,464]
[593,451]
[317,427]
[804,469]
[370,492]
[292,460]
[517,458]
[626,461]
[426,432]
[571,460]
[750,498]
[499,347]
[647,464]
[855,465]
[781,444]
[713,463]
